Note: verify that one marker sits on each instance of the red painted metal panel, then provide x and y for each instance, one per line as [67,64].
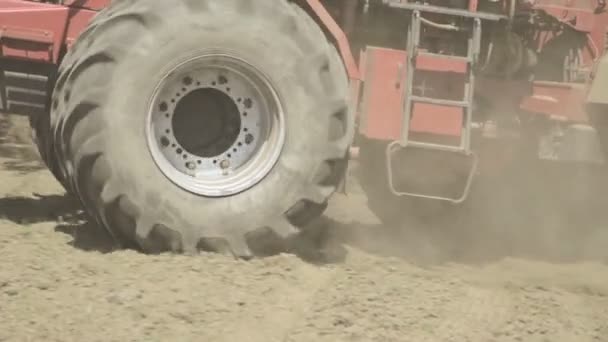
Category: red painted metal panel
[339,36]
[434,119]
[381,107]
[88,4]
[382,102]
[440,84]
[564,101]
[79,19]
[38,31]
[473,5]
[31,30]
[440,64]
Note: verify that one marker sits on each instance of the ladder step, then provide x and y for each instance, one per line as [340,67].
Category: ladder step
[462,59]
[405,4]
[440,102]
[433,146]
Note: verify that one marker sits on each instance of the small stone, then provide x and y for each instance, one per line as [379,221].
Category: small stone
[114,299]
[42,287]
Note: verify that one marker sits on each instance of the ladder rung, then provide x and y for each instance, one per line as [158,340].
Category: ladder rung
[450,57]
[433,146]
[440,102]
[404,4]
[12,103]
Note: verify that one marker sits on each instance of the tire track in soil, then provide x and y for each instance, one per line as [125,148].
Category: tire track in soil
[375,299]
[380,299]
[281,305]
[51,293]
[547,302]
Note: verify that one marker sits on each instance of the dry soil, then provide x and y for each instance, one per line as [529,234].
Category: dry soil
[62,280]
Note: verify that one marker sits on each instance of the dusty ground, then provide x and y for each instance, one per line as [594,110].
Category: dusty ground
[60,280]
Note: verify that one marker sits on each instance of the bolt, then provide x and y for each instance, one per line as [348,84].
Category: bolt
[190,165]
[248,103]
[248,138]
[224,164]
[164,141]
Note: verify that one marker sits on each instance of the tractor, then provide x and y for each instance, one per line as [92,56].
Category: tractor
[204,125]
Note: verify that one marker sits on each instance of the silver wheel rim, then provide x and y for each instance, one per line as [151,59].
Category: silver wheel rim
[215,125]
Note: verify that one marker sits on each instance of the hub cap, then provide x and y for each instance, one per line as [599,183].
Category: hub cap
[215,125]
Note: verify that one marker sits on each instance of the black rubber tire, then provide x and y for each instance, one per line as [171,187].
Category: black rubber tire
[100,102]
[41,134]
[42,137]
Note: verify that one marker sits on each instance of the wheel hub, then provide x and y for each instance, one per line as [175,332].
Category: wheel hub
[215,125]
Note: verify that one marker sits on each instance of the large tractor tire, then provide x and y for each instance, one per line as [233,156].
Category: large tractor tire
[195,125]
[42,137]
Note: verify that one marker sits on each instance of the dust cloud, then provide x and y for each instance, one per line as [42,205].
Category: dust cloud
[540,211]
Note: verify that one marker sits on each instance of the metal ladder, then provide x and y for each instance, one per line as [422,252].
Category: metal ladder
[464,147]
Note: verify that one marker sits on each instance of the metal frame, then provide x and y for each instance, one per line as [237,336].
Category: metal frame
[395,145]
[403,4]
[464,146]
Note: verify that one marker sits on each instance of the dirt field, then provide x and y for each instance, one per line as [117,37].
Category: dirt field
[61,280]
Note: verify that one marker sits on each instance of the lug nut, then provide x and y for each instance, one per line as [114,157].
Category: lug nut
[224,164]
[248,138]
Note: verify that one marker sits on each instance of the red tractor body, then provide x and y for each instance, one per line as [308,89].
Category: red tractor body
[444,77]
[525,71]
[41,32]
